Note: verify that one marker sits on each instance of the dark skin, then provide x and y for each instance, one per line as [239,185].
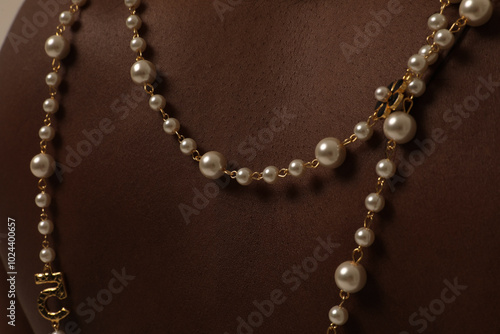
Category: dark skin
[199,262]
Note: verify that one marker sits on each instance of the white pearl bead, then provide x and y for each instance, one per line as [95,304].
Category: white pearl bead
[364,237]
[417,63]
[143,72]
[79,2]
[416,87]
[350,277]
[66,18]
[171,126]
[296,168]
[375,202]
[244,176]
[138,44]
[45,227]
[444,38]
[58,332]
[385,168]
[270,174]
[212,165]
[426,51]
[42,200]
[338,315]
[46,133]
[57,47]
[157,102]
[437,21]
[400,127]
[133,22]
[132,3]
[50,106]
[330,152]
[477,12]
[42,165]
[53,79]
[382,93]
[47,255]
[187,146]
[363,131]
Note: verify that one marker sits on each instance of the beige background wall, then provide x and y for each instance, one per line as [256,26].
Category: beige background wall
[8,11]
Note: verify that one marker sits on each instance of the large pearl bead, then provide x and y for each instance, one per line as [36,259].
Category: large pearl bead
[330,152]
[57,47]
[338,315]
[364,237]
[350,277]
[374,202]
[244,176]
[42,165]
[296,168]
[143,72]
[400,127]
[47,255]
[212,165]
[477,12]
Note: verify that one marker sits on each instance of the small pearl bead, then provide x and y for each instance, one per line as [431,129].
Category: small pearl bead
[171,126]
[382,93]
[270,174]
[187,146]
[133,22]
[477,12]
[363,131]
[400,127]
[42,200]
[417,63]
[244,176]
[47,255]
[46,133]
[45,227]
[79,2]
[330,152]
[385,168]
[57,47]
[426,50]
[437,21]
[138,44]
[296,168]
[132,3]
[42,165]
[66,18]
[350,277]
[212,165]
[50,106]
[444,38]
[416,87]
[374,202]
[53,79]
[157,102]
[364,237]
[143,72]
[338,315]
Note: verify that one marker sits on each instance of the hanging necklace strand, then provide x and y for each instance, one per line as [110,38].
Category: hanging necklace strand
[393,106]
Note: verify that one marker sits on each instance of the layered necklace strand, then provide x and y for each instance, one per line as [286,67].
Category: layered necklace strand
[393,106]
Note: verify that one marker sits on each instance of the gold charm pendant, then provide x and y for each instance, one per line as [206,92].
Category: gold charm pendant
[58,291]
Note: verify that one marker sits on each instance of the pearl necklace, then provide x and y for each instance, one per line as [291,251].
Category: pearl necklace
[393,105]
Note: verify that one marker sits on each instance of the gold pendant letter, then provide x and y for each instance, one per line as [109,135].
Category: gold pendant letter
[58,291]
